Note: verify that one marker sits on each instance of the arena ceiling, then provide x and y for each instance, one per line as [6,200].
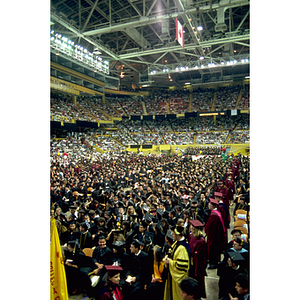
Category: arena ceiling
[138,37]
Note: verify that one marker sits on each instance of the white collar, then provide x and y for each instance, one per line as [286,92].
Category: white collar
[138,253]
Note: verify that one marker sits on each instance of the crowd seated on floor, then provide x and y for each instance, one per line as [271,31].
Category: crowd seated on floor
[130,210]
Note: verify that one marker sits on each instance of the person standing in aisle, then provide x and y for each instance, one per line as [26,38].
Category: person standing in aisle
[215,232]
[178,262]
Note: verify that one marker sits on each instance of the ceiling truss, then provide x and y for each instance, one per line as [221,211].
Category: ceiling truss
[141,34]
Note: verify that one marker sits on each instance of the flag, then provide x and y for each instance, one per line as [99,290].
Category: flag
[179,33]
[58,281]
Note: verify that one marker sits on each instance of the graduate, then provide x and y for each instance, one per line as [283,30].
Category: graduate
[112,290]
[138,273]
[178,262]
[199,255]
[215,232]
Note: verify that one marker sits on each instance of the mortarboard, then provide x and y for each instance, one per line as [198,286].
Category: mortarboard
[118,244]
[196,223]
[148,217]
[235,256]
[213,201]
[149,237]
[146,208]
[136,243]
[160,211]
[218,194]
[111,268]
[169,235]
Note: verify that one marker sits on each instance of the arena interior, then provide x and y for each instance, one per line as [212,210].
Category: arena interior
[148,135]
[132,109]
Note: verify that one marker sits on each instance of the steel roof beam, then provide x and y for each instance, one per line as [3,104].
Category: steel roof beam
[187,47]
[143,21]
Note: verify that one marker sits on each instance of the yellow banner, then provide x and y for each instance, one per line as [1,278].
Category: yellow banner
[58,281]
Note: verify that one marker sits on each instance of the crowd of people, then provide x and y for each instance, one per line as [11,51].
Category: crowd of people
[169,132]
[159,102]
[155,223]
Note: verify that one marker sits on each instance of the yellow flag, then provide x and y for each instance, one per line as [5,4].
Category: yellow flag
[58,281]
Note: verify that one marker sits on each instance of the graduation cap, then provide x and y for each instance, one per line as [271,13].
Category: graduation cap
[112,268]
[134,215]
[179,230]
[137,244]
[118,231]
[194,201]
[218,194]
[121,204]
[149,237]
[169,235]
[160,211]
[159,225]
[130,202]
[118,244]
[146,208]
[235,257]
[213,201]
[196,223]
[148,217]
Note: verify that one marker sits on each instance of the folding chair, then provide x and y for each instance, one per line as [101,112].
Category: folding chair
[88,252]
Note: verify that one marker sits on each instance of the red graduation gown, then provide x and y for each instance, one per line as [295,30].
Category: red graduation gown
[199,256]
[216,238]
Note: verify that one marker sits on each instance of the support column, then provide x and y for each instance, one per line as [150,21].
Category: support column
[75,100]
[215,120]
[103,98]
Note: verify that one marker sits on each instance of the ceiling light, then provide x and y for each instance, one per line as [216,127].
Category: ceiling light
[201,57]
[199,28]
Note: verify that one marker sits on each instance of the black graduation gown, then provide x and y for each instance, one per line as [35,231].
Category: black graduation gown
[139,267]
[85,240]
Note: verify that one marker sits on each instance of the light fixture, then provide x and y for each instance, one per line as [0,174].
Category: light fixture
[199,28]
[201,57]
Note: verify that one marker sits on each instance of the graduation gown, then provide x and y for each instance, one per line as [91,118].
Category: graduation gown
[225,193]
[199,259]
[216,238]
[115,293]
[139,267]
[179,267]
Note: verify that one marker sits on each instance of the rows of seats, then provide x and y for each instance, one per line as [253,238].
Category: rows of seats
[158,103]
[175,132]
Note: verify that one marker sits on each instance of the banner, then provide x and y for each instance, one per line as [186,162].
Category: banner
[58,281]
[179,33]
